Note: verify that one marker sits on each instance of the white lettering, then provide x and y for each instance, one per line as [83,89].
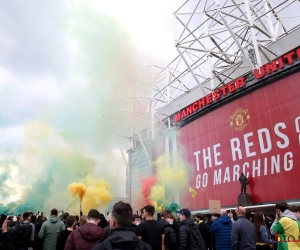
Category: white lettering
[236,148]
[217,176]
[297,124]
[248,145]
[216,154]
[236,172]
[266,166]
[196,154]
[281,135]
[246,165]
[198,181]
[266,132]
[288,163]
[227,175]
[256,168]
[204,181]
[207,158]
[275,164]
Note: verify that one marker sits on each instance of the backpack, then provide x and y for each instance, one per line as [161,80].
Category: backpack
[21,235]
[195,240]
[207,236]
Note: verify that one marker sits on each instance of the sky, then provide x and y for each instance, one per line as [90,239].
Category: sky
[60,62]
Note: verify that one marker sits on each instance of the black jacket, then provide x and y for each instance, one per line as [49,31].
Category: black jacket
[170,241]
[37,226]
[62,239]
[184,234]
[205,233]
[4,241]
[123,238]
[243,235]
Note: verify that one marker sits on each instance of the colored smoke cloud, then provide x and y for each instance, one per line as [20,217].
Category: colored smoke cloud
[95,194]
[147,184]
[77,189]
[72,138]
[169,182]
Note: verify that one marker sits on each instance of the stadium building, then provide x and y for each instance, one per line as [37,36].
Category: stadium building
[233,96]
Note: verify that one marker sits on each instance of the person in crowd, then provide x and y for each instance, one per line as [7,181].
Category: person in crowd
[50,230]
[19,218]
[189,235]
[11,224]
[103,221]
[163,213]
[151,231]
[64,235]
[87,235]
[242,232]
[83,220]
[64,218]
[37,221]
[122,235]
[107,228]
[158,216]
[296,211]
[286,226]
[261,230]
[221,228]
[209,220]
[4,239]
[77,224]
[136,220]
[204,230]
[170,240]
[267,221]
[22,235]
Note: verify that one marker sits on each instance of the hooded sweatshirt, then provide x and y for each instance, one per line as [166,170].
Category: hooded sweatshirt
[288,228]
[85,237]
[221,228]
[50,231]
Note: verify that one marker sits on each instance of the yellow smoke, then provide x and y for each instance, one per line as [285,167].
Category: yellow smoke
[158,207]
[95,193]
[171,180]
[173,177]
[77,189]
[158,193]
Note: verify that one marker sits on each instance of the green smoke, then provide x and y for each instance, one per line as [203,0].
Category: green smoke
[75,137]
[173,207]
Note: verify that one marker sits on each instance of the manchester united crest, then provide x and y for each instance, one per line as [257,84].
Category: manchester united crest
[240,119]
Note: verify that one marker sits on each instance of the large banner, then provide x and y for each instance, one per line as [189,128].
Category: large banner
[257,134]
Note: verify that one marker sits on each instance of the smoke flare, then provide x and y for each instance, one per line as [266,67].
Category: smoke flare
[77,189]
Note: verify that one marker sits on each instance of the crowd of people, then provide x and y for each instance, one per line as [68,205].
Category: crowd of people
[122,229]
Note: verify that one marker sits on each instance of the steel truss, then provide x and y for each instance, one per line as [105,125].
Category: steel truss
[220,35]
[218,39]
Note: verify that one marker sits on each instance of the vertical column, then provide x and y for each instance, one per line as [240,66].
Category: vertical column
[128,176]
[208,52]
[253,35]
[174,158]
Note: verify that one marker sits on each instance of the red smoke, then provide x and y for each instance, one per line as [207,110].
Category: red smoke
[147,184]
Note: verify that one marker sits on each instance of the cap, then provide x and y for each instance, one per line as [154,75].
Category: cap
[185,212]
[26,214]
